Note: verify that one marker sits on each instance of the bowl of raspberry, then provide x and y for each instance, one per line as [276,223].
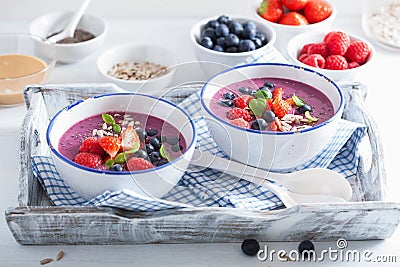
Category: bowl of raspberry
[224,41]
[272,116]
[291,17]
[339,55]
[121,141]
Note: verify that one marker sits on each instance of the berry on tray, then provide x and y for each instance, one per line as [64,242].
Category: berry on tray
[250,247]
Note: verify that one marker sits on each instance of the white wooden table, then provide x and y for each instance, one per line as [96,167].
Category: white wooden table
[168,22]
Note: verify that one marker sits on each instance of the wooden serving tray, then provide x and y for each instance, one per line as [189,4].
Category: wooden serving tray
[36,222]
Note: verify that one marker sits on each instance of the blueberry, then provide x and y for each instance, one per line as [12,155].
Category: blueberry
[262,37]
[154,156]
[155,142]
[269,116]
[229,95]
[117,168]
[246,46]
[162,162]
[259,124]
[222,30]
[142,134]
[218,48]
[249,24]
[152,132]
[206,42]
[302,109]
[250,247]
[163,139]
[208,32]
[141,154]
[232,49]
[306,245]
[236,28]
[221,41]
[173,140]
[244,90]
[212,24]
[223,19]
[175,148]
[231,40]
[258,42]
[149,148]
[226,103]
[249,33]
[269,85]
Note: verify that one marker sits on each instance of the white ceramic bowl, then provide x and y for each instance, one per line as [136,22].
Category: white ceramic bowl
[25,46]
[131,52]
[51,23]
[295,45]
[285,32]
[277,151]
[154,182]
[212,61]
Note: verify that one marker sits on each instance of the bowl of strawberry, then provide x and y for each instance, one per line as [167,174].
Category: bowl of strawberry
[337,54]
[292,17]
[121,141]
[271,116]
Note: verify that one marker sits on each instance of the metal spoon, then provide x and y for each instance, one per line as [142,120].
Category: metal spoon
[314,181]
[71,26]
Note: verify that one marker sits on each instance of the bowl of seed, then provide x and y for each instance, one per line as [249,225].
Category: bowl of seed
[143,68]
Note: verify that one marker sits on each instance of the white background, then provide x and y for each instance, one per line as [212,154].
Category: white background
[168,22]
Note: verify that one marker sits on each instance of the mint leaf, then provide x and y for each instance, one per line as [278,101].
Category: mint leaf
[116,128]
[107,118]
[298,100]
[258,106]
[109,163]
[120,158]
[263,94]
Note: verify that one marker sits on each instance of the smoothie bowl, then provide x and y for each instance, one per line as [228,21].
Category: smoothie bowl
[272,116]
[121,141]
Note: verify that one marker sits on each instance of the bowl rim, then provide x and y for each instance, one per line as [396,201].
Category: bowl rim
[203,22]
[171,68]
[49,66]
[84,168]
[329,19]
[338,111]
[61,13]
[324,32]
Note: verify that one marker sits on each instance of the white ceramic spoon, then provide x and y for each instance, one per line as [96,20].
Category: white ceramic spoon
[314,181]
[72,24]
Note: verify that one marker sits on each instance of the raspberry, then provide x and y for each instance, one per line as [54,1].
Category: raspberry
[91,145]
[243,101]
[320,48]
[241,123]
[358,52]
[302,57]
[304,50]
[136,164]
[352,65]
[337,43]
[237,113]
[88,159]
[315,60]
[110,144]
[336,62]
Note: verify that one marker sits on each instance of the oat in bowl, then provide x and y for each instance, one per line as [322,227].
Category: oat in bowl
[141,68]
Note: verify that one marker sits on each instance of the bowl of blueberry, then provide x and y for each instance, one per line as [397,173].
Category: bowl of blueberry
[223,42]
[271,116]
[121,141]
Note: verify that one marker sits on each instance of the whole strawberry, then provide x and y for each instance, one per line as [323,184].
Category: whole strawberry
[358,52]
[336,62]
[293,18]
[337,42]
[89,160]
[294,5]
[271,10]
[317,10]
[137,164]
[91,145]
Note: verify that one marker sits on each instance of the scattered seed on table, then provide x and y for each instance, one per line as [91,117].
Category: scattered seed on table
[46,261]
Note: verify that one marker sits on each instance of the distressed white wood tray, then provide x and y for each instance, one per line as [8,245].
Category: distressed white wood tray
[36,222]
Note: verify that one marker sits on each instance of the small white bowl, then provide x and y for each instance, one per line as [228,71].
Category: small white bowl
[276,151]
[48,24]
[212,61]
[131,52]
[285,32]
[295,45]
[154,182]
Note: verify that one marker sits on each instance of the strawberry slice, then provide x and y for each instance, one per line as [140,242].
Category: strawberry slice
[110,144]
[130,139]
